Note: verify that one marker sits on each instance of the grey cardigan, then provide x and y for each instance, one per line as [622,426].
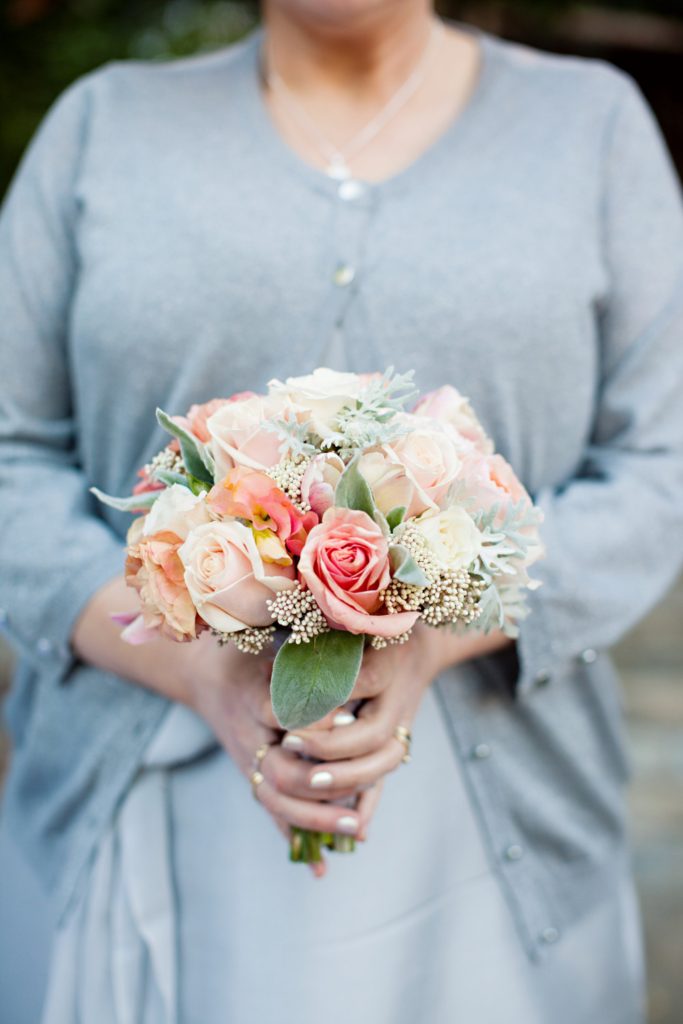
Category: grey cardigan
[160,244]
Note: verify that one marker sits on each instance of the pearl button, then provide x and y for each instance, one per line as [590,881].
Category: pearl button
[44,646]
[481,751]
[588,656]
[514,852]
[549,935]
[542,677]
[350,190]
[343,275]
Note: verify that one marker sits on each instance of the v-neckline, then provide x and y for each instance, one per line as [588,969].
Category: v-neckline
[278,152]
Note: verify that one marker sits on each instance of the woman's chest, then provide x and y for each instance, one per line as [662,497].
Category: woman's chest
[200,283]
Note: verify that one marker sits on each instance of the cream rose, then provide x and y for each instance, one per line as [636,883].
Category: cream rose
[452,536]
[432,462]
[324,392]
[388,480]
[226,577]
[177,510]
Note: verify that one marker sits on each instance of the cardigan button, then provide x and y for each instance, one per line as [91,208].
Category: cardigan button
[350,190]
[549,935]
[343,275]
[542,678]
[514,852]
[481,751]
[588,656]
[44,647]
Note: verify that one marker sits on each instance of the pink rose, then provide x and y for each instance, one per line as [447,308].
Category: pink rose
[198,415]
[320,480]
[226,577]
[432,462]
[447,405]
[238,435]
[248,494]
[345,564]
[154,569]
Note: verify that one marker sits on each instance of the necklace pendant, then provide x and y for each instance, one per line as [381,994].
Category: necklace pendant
[337,169]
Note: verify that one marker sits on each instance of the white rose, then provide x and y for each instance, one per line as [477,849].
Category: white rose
[228,582]
[177,510]
[452,536]
[324,392]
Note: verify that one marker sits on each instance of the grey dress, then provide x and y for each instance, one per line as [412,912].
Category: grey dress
[161,245]
[194,915]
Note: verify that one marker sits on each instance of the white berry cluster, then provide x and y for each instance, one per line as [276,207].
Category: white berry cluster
[166,459]
[288,474]
[251,640]
[297,609]
[378,642]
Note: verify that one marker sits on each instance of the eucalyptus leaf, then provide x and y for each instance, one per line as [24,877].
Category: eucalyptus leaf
[311,679]
[135,503]
[168,477]
[405,568]
[353,490]
[196,456]
[396,516]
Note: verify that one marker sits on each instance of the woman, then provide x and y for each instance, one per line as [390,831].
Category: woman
[354,185]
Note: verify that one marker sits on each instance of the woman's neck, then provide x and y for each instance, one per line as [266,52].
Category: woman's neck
[362,59]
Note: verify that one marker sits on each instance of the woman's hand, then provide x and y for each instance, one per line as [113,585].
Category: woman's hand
[231,691]
[392,681]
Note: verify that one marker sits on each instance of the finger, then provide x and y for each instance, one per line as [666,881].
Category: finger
[333,779]
[310,814]
[291,775]
[366,807]
[372,730]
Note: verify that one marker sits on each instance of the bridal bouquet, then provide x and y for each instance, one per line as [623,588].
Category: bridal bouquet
[325,511]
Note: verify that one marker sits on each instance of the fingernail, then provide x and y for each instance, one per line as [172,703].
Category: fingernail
[343,718]
[319,779]
[347,824]
[292,742]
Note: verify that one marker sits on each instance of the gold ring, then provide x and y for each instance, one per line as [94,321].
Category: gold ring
[403,736]
[260,754]
[256,779]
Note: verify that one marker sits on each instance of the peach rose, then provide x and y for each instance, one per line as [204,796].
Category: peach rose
[320,480]
[431,460]
[238,436]
[248,494]
[226,577]
[154,569]
[491,479]
[447,405]
[345,564]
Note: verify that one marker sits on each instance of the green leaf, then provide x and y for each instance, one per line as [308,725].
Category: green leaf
[353,490]
[196,456]
[168,477]
[311,679]
[405,568]
[396,516]
[135,503]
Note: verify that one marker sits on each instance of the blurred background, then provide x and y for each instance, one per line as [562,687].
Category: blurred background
[46,44]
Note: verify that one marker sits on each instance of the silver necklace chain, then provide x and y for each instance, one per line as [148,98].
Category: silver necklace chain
[338,157]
